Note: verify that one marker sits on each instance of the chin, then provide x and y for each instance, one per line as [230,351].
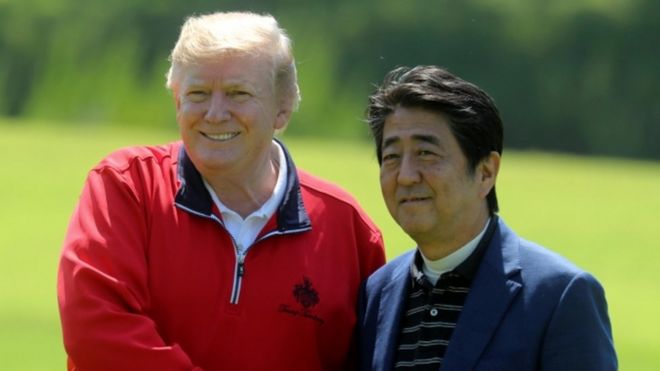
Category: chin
[413,229]
[208,161]
[215,165]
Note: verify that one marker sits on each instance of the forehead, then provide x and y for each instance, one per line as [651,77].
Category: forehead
[415,124]
[236,69]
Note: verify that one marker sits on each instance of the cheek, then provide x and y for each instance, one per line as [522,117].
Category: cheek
[186,114]
[257,114]
[383,181]
[179,117]
[388,188]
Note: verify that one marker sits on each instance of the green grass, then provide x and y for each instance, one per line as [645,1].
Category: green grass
[600,213]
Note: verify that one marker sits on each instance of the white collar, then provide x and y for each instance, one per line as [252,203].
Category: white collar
[433,269]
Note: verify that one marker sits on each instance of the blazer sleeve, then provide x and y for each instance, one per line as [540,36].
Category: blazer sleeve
[579,335]
[103,283]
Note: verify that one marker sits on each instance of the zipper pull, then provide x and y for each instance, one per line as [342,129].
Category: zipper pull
[241,266]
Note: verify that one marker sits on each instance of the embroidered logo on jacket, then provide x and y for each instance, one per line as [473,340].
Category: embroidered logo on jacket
[307,297]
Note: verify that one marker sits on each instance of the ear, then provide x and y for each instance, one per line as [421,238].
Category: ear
[283,113]
[282,119]
[177,106]
[487,171]
[177,100]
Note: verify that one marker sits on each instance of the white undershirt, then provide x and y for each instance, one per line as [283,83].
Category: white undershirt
[245,231]
[433,269]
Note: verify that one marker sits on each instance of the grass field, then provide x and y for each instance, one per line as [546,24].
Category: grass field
[600,213]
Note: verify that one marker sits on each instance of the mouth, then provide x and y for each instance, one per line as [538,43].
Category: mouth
[221,137]
[411,200]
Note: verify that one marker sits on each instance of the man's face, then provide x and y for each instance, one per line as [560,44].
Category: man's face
[425,180]
[227,112]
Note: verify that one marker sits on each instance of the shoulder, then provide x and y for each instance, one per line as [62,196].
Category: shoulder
[127,158]
[396,269]
[137,170]
[323,188]
[542,261]
[547,274]
[333,199]
[539,265]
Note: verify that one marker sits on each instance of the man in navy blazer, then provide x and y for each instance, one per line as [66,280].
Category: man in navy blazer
[473,295]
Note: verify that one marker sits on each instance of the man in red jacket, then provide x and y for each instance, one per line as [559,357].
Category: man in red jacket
[216,253]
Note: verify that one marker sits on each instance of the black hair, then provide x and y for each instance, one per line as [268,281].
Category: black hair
[473,117]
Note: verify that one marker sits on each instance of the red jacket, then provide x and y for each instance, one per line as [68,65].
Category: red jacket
[149,278]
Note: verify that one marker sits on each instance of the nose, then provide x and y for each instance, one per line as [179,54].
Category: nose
[218,109]
[408,171]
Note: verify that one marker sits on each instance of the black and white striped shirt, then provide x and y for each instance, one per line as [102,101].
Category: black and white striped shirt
[432,311]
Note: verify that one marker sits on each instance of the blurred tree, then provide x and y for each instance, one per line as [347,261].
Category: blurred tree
[567,76]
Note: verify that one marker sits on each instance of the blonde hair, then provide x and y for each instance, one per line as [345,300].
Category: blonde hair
[210,36]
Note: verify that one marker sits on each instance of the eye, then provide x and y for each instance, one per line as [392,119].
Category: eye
[390,157]
[196,95]
[426,153]
[239,94]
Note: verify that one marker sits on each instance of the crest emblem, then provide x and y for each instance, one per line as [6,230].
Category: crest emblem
[305,294]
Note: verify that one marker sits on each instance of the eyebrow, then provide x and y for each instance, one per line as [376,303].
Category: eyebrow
[416,137]
[230,83]
[431,139]
[390,141]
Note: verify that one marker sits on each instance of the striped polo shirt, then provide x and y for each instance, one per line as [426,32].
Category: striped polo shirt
[432,311]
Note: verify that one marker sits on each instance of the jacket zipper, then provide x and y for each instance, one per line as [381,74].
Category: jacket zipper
[239,267]
[239,271]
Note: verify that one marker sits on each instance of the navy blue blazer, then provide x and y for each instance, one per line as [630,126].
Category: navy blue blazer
[528,309]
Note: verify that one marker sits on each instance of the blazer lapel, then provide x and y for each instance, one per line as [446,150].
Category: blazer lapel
[392,301]
[492,290]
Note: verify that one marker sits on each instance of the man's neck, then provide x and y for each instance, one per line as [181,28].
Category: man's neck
[245,194]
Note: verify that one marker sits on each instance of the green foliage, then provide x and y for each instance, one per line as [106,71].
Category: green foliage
[567,76]
[598,212]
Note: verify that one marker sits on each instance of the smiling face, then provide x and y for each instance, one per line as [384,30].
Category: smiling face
[227,111]
[426,183]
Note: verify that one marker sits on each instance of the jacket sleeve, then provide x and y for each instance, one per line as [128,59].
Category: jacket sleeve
[579,336]
[373,257]
[102,283]
[371,248]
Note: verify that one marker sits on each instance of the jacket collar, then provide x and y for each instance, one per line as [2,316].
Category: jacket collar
[496,283]
[193,197]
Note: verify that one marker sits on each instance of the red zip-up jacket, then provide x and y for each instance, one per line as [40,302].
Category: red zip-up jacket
[149,279]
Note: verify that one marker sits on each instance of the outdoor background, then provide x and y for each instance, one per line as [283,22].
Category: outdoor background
[577,83]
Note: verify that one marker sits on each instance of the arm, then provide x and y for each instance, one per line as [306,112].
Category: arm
[102,283]
[579,336]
